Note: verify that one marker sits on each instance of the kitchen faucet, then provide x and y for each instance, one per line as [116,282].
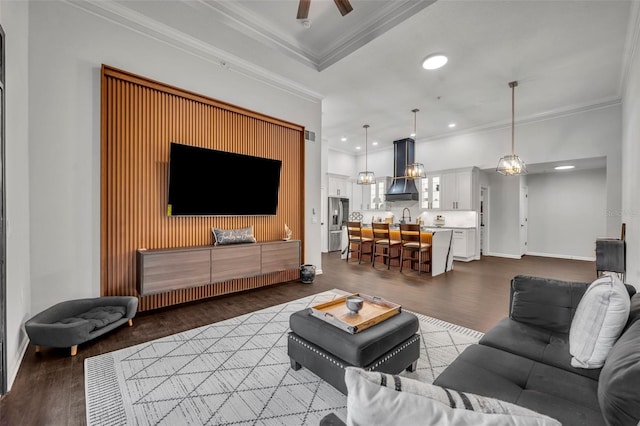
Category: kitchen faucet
[407,209]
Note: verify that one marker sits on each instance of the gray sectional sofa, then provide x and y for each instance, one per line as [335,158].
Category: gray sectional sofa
[525,360]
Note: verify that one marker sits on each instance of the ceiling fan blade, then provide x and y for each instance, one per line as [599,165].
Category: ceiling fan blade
[344,6]
[303,9]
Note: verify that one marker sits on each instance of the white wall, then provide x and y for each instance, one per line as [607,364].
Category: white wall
[587,134]
[630,211]
[567,213]
[14,20]
[66,49]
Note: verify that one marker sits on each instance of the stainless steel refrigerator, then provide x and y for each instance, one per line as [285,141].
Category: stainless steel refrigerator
[338,217]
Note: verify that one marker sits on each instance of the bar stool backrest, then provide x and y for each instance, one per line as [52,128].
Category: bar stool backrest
[380,231]
[410,233]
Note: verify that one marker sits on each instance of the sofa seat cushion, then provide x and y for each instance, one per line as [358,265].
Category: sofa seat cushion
[535,343]
[97,317]
[568,397]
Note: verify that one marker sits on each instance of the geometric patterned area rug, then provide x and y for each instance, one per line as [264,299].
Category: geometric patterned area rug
[235,372]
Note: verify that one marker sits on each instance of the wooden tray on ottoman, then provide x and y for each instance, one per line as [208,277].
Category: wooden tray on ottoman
[374,311]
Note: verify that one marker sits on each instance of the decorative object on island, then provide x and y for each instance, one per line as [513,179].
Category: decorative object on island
[367,177]
[438,220]
[512,165]
[414,170]
[354,304]
[287,232]
[307,273]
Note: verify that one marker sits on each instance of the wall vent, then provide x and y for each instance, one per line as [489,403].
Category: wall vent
[310,136]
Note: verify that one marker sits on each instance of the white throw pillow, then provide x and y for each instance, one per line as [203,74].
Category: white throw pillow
[600,317]
[376,398]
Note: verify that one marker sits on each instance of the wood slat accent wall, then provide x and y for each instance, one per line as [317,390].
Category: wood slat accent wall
[139,119]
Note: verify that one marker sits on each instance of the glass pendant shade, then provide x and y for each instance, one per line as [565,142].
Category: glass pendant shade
[512,165]
[367,177]
[415,171]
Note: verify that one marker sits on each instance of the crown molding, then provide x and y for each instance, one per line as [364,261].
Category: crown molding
[243,20]
[386,17]
[548,115]
[534,118]
[137,22]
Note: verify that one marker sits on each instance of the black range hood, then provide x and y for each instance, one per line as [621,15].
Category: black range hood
[402,189]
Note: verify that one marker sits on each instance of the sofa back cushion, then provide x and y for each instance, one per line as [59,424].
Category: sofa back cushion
[634,310]
[602,313]
[545,302]
[619,384]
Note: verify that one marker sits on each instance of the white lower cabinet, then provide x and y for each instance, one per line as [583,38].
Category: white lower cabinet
[464,244]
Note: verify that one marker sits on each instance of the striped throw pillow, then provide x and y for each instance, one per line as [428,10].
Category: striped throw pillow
[376,398]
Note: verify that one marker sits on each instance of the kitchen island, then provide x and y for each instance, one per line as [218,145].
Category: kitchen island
[441,246]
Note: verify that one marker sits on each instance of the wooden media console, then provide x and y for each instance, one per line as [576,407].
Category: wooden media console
[165,270]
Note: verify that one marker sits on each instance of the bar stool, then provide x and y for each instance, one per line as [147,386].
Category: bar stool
[412,244]
[354,232]
[381,239]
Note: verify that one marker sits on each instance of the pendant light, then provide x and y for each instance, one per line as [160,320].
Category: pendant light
[366,177]
[414,170]
[512,165]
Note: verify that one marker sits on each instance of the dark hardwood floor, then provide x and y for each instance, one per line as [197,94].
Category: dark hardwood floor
[49,387]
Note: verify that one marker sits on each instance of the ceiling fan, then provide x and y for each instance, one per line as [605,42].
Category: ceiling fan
[303,8]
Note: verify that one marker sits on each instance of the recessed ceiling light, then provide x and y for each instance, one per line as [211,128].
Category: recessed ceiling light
[357,147]
[564,167]
[375,143]
[434,62]
[452,125]
[343,139]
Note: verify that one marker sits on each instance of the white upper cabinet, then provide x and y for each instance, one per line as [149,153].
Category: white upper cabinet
[430,193]
[459,189]
[338,186]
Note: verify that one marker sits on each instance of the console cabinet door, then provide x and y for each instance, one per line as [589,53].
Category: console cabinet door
[231,262]
[161,272]
[280,256]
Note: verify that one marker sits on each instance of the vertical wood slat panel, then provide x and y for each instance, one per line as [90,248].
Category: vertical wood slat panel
[139,119]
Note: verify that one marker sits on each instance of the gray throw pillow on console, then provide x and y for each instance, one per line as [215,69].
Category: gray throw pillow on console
[233,236]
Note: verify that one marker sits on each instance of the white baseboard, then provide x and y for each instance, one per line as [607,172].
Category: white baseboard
[562,256]
[13,369]
[508,256]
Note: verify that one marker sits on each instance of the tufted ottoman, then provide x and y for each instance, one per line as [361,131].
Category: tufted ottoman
[390,346]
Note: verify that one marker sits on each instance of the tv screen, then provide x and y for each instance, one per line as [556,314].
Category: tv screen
[208,182]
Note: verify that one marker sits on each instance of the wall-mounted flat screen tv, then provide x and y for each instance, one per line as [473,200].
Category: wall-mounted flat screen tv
[208,182]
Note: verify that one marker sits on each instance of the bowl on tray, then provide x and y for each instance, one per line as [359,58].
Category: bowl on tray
[354,304]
